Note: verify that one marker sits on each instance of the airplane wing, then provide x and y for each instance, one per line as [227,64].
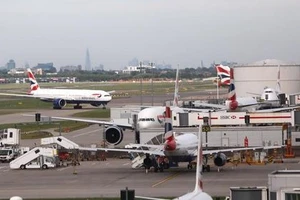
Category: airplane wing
[127,126]
[37,97]
[149,198]
[131,145]
[17,95]
[215,151]
[210,105]
[277,109]
[155,152]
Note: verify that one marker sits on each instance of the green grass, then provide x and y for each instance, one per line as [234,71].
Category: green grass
[34,129]
[96,113]
[36,135]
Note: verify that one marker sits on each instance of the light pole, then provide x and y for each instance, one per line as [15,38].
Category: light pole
[152,91]
[141,82]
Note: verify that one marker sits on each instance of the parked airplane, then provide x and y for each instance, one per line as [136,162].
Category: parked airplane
[271,95]
[60,97]
[198,193]
[248,104]
[181,147]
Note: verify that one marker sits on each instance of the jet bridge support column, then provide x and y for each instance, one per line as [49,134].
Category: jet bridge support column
[136,129]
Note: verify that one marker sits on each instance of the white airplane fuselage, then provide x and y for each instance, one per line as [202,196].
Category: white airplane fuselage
[153,117]
[184,144]
[74,95]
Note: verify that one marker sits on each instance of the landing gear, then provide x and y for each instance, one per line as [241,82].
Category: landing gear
[78,106]
[190,166]
[206,167]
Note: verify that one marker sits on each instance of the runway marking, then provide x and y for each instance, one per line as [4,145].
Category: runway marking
[107,163]
[62,169]
[3,167]
[86,133]
[94,163]
[166,179]
[126,164]
[6,170]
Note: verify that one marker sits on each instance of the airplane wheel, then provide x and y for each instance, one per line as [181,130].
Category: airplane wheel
[22,167]
[44,167]
[189,166]
[208,168]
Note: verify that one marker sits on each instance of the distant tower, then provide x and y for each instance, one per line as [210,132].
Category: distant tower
[88,61]
[202,64]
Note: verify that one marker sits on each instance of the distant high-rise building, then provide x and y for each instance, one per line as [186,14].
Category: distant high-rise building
[88,61]
[11,64]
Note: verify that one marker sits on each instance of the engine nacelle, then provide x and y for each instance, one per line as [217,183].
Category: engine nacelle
[233,105]
[113,135]
[220,159]
[59,103]
[95,104]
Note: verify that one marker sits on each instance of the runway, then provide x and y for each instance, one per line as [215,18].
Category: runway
[107,178]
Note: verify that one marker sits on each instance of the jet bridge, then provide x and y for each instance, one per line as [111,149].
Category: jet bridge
[61,141]
[35,153]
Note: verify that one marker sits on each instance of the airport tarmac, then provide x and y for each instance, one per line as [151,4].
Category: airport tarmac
[107,178]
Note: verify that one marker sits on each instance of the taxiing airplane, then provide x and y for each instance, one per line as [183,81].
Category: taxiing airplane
[60,97]
[198,193]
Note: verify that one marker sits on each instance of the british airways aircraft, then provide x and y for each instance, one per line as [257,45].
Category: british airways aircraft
[61,97]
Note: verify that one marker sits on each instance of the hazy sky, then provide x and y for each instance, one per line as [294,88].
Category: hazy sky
[172,31]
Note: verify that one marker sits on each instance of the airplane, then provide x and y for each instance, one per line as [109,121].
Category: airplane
[60,97]
[247,104]
[153,117]
[180,148]
[271,95]
[197,193]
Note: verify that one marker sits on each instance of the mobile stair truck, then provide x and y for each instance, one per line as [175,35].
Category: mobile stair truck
[36,158]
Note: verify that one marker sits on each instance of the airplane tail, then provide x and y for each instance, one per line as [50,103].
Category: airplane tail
[223,73]
[278,86]
[33,83]
[170,143]
[176,96]
[199,184]
[231,94]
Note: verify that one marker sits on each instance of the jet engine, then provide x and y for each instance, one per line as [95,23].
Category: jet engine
[233,105]
[96,104]
[220,159]
[59,103]
[113,135]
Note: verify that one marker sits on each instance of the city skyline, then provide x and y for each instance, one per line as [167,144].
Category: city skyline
[175,32]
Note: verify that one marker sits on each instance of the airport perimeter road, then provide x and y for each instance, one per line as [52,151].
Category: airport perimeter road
[107,178]
[17,117]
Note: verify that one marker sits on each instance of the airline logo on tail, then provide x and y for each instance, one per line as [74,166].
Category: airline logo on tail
[223,72]
[231,94]
[33,83]
[176,96]
[170,143]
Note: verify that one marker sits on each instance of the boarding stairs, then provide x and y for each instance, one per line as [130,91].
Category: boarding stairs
[61,141]
[138,158]
[30,156]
